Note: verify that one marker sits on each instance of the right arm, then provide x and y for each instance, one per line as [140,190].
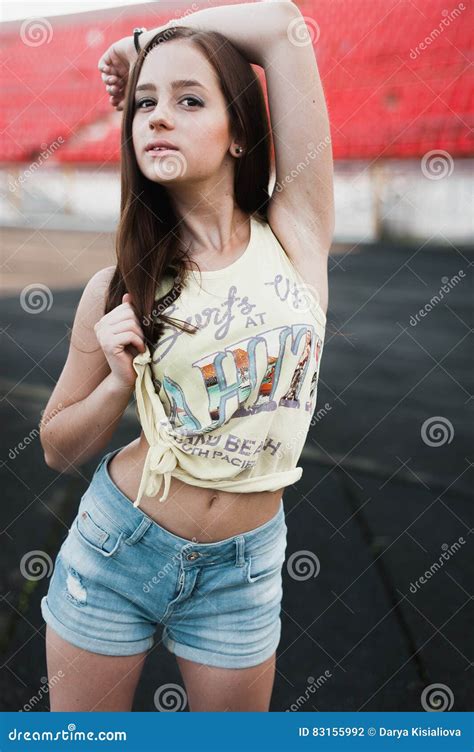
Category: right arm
[95,386]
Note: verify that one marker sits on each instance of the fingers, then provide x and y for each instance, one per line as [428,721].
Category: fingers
[115,87]
[114,66]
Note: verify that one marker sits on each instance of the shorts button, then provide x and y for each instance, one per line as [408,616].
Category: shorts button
[192,556]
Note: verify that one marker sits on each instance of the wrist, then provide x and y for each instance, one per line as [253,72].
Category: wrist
[130,51]
[118,387]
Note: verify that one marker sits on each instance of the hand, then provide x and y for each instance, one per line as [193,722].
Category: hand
[116,331]
[115,66]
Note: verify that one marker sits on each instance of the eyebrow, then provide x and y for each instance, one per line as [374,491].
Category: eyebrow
[174,84]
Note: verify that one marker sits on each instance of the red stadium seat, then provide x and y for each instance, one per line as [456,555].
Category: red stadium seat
[387,97]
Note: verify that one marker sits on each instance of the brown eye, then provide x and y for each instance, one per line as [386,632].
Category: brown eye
[192,99]
[141,101]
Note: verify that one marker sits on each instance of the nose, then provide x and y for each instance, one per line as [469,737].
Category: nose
[160,116]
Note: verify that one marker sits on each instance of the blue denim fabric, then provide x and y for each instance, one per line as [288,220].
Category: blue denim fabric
[118,575]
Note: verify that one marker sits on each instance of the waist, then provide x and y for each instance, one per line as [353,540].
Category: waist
[195,513]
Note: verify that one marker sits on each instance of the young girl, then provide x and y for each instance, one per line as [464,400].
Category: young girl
[215,315]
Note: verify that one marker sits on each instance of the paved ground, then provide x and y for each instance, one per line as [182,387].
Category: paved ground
[377,504]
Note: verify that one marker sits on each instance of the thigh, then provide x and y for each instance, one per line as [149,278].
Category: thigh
[215,689]
[83,681]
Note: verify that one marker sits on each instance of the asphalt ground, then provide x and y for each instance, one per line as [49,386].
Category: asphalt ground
[386,488]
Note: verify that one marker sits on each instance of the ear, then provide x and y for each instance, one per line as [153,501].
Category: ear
[237,149]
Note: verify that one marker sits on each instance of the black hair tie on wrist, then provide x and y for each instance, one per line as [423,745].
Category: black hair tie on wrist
[136,33]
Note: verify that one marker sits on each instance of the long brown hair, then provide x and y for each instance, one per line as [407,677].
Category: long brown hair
[148,243]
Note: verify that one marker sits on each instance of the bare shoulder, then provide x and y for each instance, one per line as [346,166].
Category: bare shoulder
[90,309]
[86,365]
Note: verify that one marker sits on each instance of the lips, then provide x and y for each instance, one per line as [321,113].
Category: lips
[157,146]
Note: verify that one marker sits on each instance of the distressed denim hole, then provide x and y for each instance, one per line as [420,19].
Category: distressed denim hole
[75,587]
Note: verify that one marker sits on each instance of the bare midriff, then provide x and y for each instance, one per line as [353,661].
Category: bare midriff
[200,514]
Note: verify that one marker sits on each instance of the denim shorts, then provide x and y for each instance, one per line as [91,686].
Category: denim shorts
[118,575]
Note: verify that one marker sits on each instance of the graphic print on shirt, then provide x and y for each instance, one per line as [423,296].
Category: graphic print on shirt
[243,378]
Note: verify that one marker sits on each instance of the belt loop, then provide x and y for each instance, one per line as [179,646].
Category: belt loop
[239,551]
[104,460]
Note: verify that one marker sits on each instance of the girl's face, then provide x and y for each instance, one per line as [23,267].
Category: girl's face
[191,116]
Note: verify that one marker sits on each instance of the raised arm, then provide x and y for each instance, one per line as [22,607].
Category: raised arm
[276,36]
[251,27]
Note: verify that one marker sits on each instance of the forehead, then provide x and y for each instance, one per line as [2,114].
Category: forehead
[178,59]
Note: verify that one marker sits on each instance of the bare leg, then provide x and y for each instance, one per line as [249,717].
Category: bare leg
[228,689]
[89,681]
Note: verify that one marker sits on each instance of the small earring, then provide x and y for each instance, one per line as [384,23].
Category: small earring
[239,149]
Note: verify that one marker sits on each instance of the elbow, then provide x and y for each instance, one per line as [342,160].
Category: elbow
[289,11]
[51,461]
[50,457]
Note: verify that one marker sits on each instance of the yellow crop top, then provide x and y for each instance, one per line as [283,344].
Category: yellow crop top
[229,407]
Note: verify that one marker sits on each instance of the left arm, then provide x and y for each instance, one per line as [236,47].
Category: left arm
[251,26]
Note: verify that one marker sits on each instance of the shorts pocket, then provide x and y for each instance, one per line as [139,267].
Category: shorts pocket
[101,537]
[267,563]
